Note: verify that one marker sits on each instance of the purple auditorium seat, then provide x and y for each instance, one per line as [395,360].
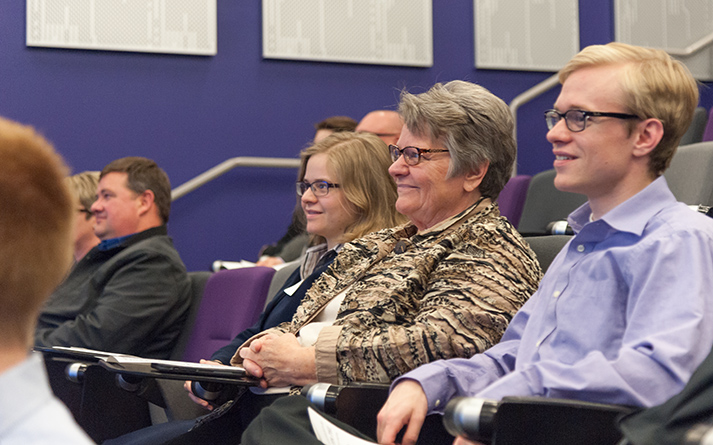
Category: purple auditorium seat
[232,301]
[708,132]
[512,198]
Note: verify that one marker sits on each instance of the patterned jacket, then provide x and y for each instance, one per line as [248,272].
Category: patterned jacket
[412,298]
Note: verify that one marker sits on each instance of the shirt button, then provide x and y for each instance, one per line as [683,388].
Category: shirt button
[580,248]
[438,402]
[556,294]
[539,343]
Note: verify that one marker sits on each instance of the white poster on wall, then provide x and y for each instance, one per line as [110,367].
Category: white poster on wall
[672,25]
[536,35]
[385,32]
[157,26]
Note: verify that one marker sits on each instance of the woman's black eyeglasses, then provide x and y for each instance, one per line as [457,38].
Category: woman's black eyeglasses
[319,188]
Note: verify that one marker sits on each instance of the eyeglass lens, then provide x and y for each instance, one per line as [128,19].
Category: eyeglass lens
[574,119]
[411,154]
[319,188]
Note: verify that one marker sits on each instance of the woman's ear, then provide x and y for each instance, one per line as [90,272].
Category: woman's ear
[475,177]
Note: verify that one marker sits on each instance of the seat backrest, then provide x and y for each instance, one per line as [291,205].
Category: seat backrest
[690,176]
[198,283]
[694,134]
[547,247]
[512,198]
[232,301]
[281,275]
[545,204]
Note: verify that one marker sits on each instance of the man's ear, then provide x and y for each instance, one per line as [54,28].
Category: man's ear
[648,135]
[146,201]
[475,176]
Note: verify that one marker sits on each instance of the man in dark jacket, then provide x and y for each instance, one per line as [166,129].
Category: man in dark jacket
[130,294]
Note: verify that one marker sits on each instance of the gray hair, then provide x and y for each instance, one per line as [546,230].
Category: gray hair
[471,122]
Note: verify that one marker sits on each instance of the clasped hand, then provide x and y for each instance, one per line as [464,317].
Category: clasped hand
[279,360]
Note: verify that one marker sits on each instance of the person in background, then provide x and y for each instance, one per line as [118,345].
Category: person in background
[331,125]
[623,314]
[84,187]
[386,124]
[130,294]
[292,243]
[36,250]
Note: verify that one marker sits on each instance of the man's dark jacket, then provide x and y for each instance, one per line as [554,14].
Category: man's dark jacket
[132,298]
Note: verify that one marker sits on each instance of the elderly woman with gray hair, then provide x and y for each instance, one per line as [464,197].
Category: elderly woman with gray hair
[445,284]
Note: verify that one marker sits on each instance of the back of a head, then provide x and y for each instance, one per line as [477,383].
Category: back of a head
[384,123]
[361,162]
[471,122]
[35,227]
[144,174]
[654,85]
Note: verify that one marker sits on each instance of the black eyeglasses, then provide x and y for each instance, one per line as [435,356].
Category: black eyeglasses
[576,120]
[412,155]
[319,188]
[83,210]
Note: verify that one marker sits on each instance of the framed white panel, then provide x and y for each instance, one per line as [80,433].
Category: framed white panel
[384,32]
[156,26]
[669,25]
[534,35]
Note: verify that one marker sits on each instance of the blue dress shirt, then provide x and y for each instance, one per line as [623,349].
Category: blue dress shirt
[623,315]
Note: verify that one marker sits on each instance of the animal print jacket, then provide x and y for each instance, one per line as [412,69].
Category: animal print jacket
[412,298]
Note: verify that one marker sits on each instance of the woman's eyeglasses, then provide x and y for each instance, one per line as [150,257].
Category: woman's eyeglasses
[412,155]
[319,188]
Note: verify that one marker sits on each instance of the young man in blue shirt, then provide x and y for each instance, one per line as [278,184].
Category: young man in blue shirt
[623,313]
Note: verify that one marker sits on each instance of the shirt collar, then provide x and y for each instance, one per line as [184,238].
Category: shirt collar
[113,242]
[135,237]
[631,215]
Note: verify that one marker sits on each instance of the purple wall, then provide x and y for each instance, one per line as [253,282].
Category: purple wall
[191,113]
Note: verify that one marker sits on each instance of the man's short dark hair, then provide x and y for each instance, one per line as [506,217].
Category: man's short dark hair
[144,174]
[337,124]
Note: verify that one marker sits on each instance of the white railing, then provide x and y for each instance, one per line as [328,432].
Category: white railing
[226,166]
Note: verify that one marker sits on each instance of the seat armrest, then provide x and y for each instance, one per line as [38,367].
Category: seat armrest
[516,420]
